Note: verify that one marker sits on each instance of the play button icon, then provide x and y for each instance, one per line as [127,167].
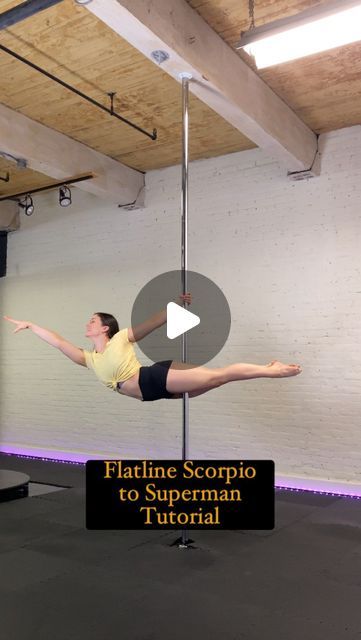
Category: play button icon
[163,319]
[179,320]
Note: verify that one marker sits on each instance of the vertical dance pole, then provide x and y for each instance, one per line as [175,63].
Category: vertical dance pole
[184,258]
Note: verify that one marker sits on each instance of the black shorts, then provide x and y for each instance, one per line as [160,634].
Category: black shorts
[152,381]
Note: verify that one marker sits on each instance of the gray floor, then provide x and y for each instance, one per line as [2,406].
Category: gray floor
[60,581]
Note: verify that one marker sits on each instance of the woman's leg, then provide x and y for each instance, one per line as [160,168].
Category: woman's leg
[184,378]
[200,392]
[192,394]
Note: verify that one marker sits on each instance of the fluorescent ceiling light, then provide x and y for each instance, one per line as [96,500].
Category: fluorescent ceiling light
[305,34]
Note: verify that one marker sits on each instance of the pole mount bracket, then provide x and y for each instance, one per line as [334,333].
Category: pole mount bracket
[186,75]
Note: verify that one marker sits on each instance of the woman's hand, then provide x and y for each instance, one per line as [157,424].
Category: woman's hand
[187,297]
[20,324]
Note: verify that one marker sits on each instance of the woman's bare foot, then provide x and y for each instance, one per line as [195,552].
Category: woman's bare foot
[279,370]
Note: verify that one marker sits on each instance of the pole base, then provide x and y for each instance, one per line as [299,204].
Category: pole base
[183,544]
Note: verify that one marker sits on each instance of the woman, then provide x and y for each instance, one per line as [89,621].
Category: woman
[114,361]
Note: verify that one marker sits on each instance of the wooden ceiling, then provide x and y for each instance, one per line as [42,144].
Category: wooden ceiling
[67,40]
[20,180]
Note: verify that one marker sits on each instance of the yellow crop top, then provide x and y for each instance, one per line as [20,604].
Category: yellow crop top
[117,363]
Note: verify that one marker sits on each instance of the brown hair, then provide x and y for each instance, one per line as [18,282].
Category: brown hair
[109,321]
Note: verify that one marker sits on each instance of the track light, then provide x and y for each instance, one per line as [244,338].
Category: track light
[64,196]
[317,29]
[27,205]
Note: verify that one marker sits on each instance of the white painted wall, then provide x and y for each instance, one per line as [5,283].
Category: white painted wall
[286,255]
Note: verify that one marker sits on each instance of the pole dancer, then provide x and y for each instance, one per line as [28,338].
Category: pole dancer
[114,361]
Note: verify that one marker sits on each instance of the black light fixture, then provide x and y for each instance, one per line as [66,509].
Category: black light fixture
[27,205]
[64,196]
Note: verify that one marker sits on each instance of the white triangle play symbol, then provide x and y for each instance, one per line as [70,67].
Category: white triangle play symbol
[179,320]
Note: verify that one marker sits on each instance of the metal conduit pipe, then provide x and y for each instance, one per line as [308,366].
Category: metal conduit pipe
[51,76]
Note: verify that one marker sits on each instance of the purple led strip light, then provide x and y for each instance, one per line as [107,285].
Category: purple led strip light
[70,460]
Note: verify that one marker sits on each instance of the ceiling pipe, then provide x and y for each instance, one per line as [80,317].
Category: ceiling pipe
[24,10]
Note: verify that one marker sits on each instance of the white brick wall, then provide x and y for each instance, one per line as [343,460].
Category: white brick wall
[287,256]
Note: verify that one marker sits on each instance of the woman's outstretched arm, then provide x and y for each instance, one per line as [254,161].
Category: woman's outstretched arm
[54,339]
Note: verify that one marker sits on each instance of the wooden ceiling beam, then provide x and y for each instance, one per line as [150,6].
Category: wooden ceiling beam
[58,156]
[220,77]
